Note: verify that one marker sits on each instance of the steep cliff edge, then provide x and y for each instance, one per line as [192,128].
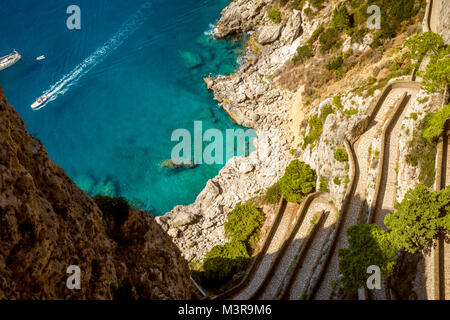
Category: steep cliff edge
[47,224]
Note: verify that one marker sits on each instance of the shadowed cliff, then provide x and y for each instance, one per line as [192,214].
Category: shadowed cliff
[47,224]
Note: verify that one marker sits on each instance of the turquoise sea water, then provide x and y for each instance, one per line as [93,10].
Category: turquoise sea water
[121,85]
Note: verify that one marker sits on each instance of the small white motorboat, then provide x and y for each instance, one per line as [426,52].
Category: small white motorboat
[40,58]
[39,102]
[9,60]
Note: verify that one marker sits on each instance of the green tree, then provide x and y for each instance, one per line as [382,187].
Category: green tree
[340,155]
[275,16]
[222,262]
[329,39]
[273,194]
[421,44]
[437,73]
[243,222]
[418,218]
[368,245]
[436,123]
[341,18]
[298,180]
[303,53]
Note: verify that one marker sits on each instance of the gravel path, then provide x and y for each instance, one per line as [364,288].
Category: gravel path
[357,203]
[281,234]
[313,255]
[318,204]
[388,188]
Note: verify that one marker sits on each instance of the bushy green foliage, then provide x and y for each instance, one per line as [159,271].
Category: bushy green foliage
[298,180]
[423,145]
[337,181]
[418,218]
[421,44]
[298,4]
[436,123]
[243,222]
[368,245]
[395,15]
[340,155]
[329,39]
[273,194]
[316,34]
[437,73]
[341,18]
[222,262]
[316,123]
[337,102]
[323,187]
[275,15]
[117,208]
[303,53]
[335,63]
[318,4]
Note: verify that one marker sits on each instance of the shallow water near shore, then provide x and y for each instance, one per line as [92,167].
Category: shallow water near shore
[120,86]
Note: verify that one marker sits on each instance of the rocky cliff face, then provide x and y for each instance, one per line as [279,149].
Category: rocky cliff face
[48,224]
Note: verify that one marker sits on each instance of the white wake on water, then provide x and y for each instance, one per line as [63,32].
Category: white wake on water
[70,79]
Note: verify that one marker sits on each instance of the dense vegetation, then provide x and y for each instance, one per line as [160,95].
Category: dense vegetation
[222,262]
[340,155]
[243,223]
[316,122]
[273,194]
[437,73]
[418,218]
[368,245]
[422,147]
[298,180]
[274,15]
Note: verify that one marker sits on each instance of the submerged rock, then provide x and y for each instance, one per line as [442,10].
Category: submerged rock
[170,164]
[191,59]
[104,187]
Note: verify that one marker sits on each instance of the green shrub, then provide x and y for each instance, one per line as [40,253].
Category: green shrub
[419,45]
[335,63]
[222,263]
[340,155]
[418,218]
[243,221]
[298,4]
[298,180]
[436,123]
[316,34]
[303,53]
[329,39]
[318,4]
[422,152]
[316,123]
[323,187]
[337,102]
[437,73]
[368,245]
[273,194]
[350,112]
[341,18]
[337,180]
[275,16]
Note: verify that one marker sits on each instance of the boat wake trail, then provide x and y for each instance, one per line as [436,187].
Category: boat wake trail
[70,79]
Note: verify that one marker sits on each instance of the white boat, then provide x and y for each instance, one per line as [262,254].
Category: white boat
[40,58]
[9,60]
[39,102]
